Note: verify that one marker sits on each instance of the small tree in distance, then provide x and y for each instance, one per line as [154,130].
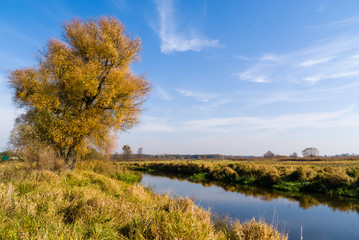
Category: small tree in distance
[294,155]
[269,154]
[127,152]
[310,152]
[140,152]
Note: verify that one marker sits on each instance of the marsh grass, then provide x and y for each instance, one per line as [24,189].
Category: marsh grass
[128,177]
[97,200]
[324,175]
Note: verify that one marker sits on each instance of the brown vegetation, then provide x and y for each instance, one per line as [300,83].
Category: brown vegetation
[330,176]
[91,203]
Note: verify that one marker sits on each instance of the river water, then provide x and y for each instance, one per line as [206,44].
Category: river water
[319,216]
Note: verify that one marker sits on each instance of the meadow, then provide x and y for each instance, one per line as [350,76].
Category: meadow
[332,176]
[102,200]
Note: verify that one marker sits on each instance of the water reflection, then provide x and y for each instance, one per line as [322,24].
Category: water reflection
[305,200]
[321,216]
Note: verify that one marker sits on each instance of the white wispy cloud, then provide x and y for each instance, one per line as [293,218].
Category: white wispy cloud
[212,105]
[199,96]
[120,4]
[340,118]
[174,40]
[331,58]
[312,62]
[12,33]
[270,57]
[313,94]
[252,77]
[161,93]
[288,96]
[2,78]
[336,24]
[253,125]
[242,57]
[157,127]
[321,8]
[156,124]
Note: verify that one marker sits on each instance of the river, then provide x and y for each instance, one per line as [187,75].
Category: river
[319,216]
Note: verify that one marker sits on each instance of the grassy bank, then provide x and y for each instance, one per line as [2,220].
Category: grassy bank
[333,177]
[100,201]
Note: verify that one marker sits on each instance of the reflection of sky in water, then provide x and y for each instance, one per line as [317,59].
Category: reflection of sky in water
[319,222]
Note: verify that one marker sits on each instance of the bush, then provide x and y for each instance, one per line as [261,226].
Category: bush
[40,157]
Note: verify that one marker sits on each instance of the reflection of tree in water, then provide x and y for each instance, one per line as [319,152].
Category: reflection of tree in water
[304,200]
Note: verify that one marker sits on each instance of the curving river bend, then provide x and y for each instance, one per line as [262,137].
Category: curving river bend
[320,216]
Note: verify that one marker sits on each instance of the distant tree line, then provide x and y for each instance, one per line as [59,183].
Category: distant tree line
[128,154]
[307,152]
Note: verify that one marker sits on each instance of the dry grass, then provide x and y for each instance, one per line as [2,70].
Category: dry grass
[91,203]
[253,230]
[42,157]
[334,176]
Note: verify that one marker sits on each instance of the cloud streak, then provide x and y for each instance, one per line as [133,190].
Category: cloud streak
[171,39]
[340,118]
[333,58]
[321,8]
[336,24]
[199,96]
[156,124]
[252,125]
[300,96]
[161,93]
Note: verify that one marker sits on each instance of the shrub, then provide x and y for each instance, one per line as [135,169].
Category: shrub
[42,157]
[352,172]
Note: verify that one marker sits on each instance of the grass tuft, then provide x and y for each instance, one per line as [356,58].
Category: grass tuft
[252,230]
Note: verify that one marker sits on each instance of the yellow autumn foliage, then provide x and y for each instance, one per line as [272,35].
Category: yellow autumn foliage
[81,91]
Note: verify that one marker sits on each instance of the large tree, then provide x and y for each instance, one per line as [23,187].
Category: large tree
[81,91]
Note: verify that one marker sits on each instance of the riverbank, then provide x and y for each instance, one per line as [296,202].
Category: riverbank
[335,219]
[100,200]
[305,200]
[334,178]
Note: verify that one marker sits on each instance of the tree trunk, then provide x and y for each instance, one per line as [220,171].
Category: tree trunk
[70,158]
[73,163]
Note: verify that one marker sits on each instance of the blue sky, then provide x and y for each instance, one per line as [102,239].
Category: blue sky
[229,77]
